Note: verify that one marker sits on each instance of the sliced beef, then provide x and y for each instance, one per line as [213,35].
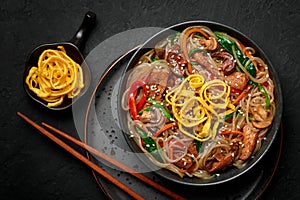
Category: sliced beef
[157,83]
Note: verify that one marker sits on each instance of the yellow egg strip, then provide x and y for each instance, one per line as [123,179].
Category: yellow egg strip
[198,106]
[56,76]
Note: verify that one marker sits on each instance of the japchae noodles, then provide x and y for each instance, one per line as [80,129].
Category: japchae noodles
[199,102]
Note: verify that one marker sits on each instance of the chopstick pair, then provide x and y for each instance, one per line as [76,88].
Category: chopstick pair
[95,167]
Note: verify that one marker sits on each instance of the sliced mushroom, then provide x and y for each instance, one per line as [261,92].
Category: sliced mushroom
[222,161]
[249,142]
[226,61]
[262,118]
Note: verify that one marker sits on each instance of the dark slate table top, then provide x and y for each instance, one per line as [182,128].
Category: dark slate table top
[32,167]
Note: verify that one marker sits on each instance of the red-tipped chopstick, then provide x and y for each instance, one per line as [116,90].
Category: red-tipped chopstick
[96,168]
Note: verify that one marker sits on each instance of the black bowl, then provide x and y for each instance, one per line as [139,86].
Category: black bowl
[228,174]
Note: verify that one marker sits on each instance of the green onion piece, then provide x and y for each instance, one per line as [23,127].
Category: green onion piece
[161,108]
[144,109]
[194,63]
[154,59]
[198,146]
[191,53]
[224,42]
[262,89]
[150,144]
[229,45]
[228,116]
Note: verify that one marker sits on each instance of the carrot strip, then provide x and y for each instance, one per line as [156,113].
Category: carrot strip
[194,30]
[184,43]
[163,129]
[237,132]
[242,95]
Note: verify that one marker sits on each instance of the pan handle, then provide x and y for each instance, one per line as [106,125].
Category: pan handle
[84,30]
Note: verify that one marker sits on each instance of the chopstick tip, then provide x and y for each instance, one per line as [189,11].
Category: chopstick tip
[20,114]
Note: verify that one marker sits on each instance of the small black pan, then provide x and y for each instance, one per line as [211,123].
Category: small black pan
[73,49]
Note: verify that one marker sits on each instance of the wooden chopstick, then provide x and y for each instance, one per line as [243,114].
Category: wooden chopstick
[120,165]
[82,158]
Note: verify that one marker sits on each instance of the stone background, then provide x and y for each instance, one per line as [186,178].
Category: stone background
[32,167]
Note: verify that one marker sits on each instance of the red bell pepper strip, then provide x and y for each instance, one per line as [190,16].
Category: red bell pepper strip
[135,107]
[132,107]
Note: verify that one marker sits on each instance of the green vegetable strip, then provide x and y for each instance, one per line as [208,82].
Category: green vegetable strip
[231,115]
[144,109]
[154,59]
[198,146]
[228,44]
[150,144]
[191,53]
[161,108]
[262,89]
[225,42]
[228,116]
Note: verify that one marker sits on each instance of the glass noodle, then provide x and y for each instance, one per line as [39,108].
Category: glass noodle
[199,103]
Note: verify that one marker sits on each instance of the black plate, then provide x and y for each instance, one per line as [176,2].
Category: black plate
[228,174]
[103,132]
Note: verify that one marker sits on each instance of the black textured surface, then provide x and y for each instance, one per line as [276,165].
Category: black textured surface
[32,167]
